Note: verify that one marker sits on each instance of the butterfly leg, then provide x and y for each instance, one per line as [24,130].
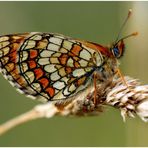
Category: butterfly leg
[122,77]
[95,88]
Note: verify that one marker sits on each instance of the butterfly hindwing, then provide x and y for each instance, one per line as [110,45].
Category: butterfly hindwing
[9,44]
[48,66]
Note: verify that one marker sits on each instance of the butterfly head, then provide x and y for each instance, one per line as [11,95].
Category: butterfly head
[118,48]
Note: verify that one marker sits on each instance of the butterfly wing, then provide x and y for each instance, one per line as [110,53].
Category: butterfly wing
[9,45]
[48,66]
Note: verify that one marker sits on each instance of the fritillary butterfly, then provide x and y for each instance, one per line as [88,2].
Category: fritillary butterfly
[49,66]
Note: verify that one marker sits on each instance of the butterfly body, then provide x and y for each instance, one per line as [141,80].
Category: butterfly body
[52,67]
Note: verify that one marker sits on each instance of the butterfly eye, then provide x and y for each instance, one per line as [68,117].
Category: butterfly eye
[118,49]
[116,52]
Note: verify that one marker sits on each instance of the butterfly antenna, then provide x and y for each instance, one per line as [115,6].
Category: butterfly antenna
[130,35]
[124,23]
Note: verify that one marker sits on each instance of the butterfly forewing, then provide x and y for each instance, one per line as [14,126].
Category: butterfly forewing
[47,66]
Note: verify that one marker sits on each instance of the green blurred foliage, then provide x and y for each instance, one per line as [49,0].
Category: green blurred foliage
[93,21]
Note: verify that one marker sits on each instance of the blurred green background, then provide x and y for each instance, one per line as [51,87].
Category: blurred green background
[93,21]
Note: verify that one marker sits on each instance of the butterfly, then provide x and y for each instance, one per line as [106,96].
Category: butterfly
[52,67]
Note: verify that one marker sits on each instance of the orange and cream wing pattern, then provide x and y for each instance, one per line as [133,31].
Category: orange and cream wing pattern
[47,66]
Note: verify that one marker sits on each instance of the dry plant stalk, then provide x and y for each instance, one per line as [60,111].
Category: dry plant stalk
[131,101]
